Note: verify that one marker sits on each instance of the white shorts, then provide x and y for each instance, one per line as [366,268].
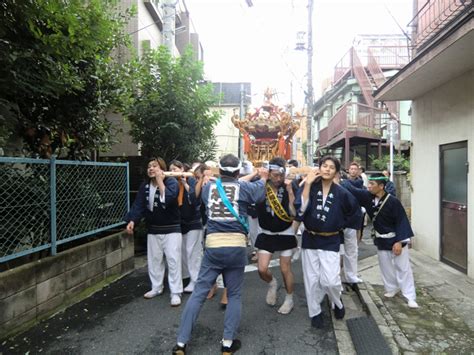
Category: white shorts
[287,252]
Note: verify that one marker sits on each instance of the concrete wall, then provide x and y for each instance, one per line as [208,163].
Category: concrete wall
[442,116]
[124,146]
[227,135]
[37,290]
[147,32]
[402,184]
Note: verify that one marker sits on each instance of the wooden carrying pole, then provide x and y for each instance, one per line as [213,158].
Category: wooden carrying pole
[178,174]
[292,172]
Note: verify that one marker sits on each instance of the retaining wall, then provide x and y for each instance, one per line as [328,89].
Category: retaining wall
[35,291]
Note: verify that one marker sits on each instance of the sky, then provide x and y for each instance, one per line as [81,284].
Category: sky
[257,44]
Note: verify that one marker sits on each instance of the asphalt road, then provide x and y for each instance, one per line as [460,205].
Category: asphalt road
[118,320]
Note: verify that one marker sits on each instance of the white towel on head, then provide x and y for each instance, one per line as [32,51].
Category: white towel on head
[247,168]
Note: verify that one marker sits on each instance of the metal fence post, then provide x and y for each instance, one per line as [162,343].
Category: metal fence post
[128,185]
[52,188]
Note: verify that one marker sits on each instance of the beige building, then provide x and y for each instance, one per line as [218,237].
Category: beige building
[440,81]
[227,135]
[146,30]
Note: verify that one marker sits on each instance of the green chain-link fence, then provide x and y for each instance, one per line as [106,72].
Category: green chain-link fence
[44,203]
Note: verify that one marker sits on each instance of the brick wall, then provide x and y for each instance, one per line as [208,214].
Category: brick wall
[35,291]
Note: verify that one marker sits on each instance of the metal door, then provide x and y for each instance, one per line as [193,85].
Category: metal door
[454,170]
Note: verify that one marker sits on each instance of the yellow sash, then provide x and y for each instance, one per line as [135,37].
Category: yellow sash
[276,205]
[220,240]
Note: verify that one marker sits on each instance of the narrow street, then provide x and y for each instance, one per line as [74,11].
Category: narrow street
[118,320]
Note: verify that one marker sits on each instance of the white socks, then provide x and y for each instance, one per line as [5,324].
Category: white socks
[227,343]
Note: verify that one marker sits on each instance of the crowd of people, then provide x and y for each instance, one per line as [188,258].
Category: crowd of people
[202,225]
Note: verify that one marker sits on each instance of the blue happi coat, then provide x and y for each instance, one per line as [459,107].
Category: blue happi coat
[241,194]
[391,218]
[339,211]
[165,217]
[190,210]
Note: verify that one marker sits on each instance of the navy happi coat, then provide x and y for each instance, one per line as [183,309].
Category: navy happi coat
[165,217]
[339,211]
[391,218]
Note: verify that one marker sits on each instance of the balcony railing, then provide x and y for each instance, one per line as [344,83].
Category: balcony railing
[363,120]
[433,16]
[388,57]
[343,66]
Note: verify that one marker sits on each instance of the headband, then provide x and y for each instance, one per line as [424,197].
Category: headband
[378,178]
[231,169]
[276,167]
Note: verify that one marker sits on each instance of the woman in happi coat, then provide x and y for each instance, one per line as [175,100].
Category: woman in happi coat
[157,201]
[325,209]
[191,227]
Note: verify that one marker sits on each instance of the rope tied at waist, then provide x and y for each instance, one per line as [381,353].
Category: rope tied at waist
[221,240]
[324,234]
[385,236]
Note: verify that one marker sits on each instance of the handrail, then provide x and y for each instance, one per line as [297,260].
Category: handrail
[362,78]
[433,16]
[374,69]
[342,67]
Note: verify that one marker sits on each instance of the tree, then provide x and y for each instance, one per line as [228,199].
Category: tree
[399,162]
[58,75]
[171,114]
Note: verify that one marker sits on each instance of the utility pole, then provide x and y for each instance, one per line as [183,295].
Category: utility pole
[241,142]
[309,97]
[169,24]
[294,145]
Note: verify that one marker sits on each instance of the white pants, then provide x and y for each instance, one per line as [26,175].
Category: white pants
[396,272]
[191,254]
[254,230]
[321,276]
[299,234]
[349,258]
[169,245]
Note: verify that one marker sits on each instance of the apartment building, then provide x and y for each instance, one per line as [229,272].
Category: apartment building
[349,123]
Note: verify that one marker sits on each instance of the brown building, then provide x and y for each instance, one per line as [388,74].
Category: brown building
[349,123]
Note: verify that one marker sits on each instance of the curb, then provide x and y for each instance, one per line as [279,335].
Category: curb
[396,339]
[342,335]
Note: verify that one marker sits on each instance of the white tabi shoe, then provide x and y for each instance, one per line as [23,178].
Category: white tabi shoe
[286,307]
[175,300]
[413,304]
[189,288]
[391,294]
[153,293]
[272,292]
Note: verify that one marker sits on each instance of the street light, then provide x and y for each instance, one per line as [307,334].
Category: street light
[309,93]
[391,133]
